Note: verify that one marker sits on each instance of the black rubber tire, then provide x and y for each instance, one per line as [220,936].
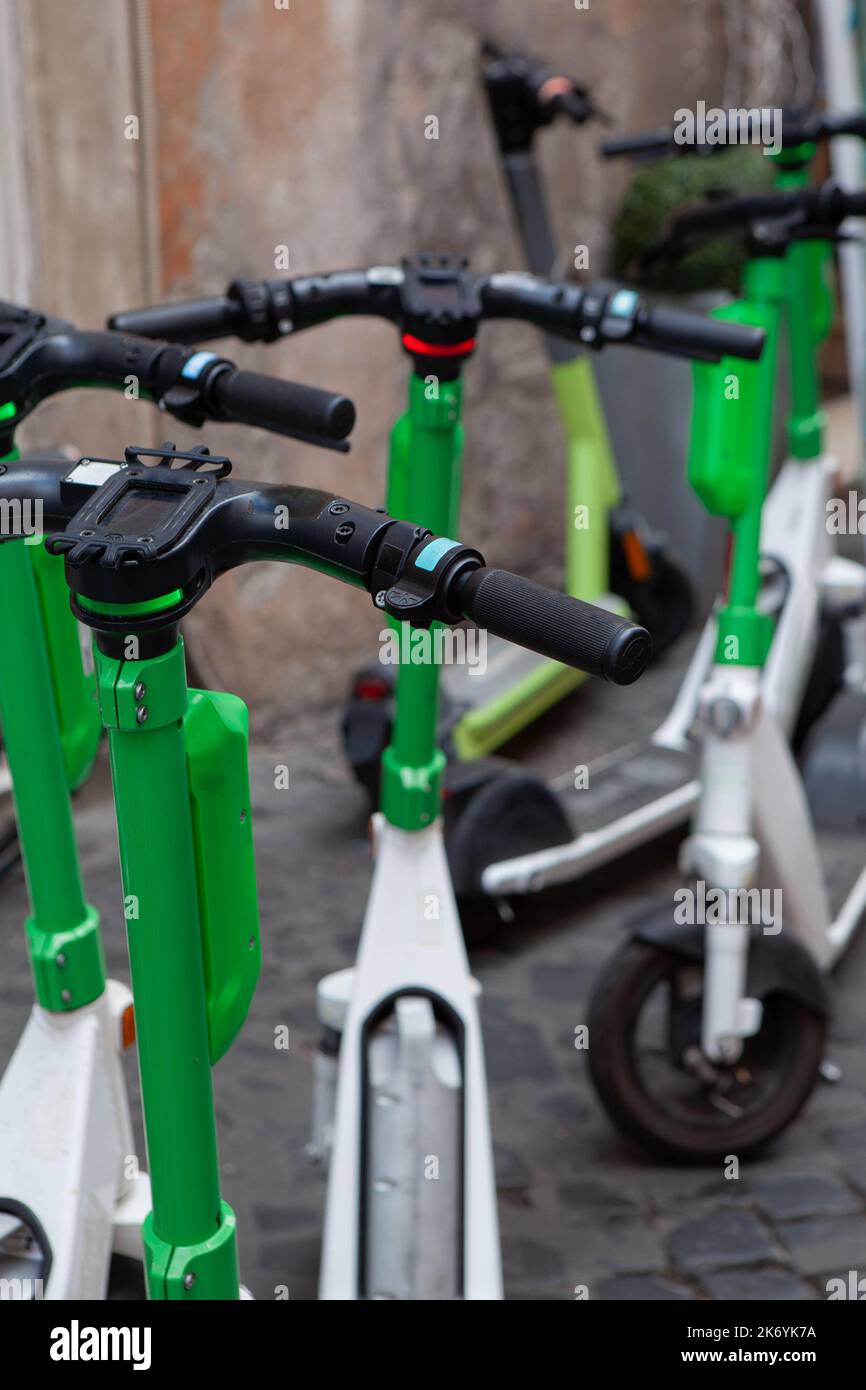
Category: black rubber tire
[664,604]
[622,988]
[499,812]
[826,678]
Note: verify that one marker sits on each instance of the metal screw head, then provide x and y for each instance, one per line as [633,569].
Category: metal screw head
[724,716]
[141,714]
[189,1280]
[66,995]
[344,531]
[139,690]
[380,598]
[60,961]
[337,508]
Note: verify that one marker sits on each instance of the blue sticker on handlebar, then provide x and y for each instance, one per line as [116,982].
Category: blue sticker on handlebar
[623,304]
[197,363]
[431,554]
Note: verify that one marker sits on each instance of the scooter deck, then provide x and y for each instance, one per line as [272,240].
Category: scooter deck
[619,803]
[515,688]
[627,782]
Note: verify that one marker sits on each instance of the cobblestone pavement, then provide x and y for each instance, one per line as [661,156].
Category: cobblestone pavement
[577,1205]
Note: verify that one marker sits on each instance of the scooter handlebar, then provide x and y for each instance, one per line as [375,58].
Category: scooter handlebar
[595,314]
[559,627]
[283,407]
[692,335]
[190,321]
[797,128]
[653,143]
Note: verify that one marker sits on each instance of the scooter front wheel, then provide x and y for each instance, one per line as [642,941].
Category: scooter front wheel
[656,1084]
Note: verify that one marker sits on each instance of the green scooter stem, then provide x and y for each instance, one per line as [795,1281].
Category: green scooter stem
[424,478]
[809,309]
[745,633]
[63,939]
[189,1237]
[729,458]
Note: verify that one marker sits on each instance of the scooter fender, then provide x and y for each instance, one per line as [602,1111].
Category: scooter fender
[778,964]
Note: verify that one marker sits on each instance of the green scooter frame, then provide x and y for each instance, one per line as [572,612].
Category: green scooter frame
[179,762]
[437,306]
[194,957]
[57,1225]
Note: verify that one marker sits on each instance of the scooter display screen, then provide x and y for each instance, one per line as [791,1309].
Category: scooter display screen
[141,509]
[444,294]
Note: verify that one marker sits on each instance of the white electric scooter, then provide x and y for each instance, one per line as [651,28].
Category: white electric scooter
[400,1095]
[707,1028]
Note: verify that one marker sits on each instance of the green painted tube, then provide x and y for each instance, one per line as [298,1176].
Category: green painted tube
[155,835]
[592,484]
[424,478]
[63,935]
[809,310]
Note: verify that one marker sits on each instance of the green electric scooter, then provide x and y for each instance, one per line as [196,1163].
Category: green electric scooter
[65,1075]
[437,306]
[526,96]
[143,540]
[400,1072]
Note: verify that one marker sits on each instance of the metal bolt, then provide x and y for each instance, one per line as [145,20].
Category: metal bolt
[188,1280]
[61,961]
[141,714]
[380,598]
[66,995]
[343,532]
[139,690]
[337,508]
[725,716]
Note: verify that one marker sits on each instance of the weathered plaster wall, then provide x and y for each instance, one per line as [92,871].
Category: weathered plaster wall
[305,127]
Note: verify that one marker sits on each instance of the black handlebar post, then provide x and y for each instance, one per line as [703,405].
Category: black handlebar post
[526,94]
[165,520]
[797,128]
[40,356]
[437,305]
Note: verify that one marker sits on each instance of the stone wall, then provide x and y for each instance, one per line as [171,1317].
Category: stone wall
[304,127]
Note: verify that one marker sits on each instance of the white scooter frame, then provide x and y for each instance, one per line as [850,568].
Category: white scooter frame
[753,821]
[411,955]
[67,1153]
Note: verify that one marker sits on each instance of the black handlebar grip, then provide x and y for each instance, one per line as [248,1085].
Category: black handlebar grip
[284,407]
[694,335]
[190,321]
[565,629]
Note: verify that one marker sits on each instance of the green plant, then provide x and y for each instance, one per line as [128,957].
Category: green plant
[658,190]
